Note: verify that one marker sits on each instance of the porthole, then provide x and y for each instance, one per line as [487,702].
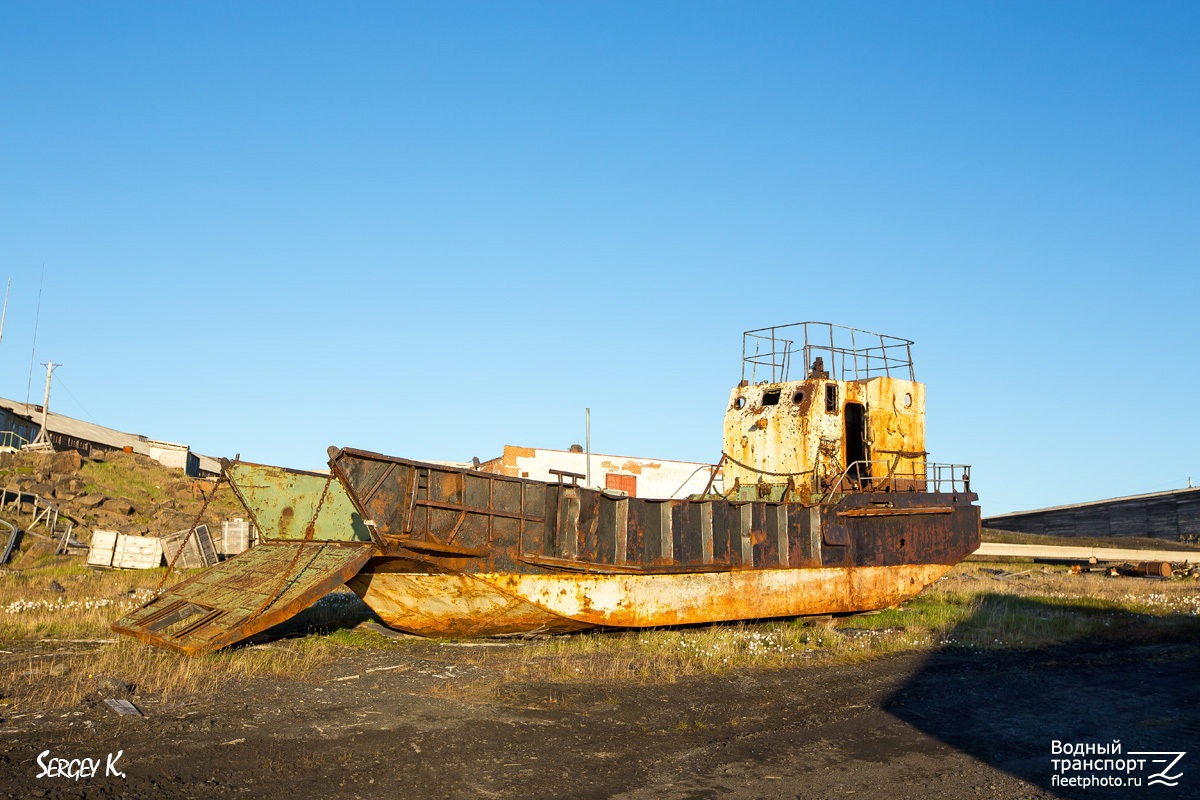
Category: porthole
[739,402]
[907,400]
[798,397]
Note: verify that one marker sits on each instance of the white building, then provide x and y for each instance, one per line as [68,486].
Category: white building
[637,477]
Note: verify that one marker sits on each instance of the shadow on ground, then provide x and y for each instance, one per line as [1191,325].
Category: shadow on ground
[1005,707]
[335,611]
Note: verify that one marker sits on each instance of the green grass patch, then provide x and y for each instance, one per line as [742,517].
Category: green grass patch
[144,483]
[117,480]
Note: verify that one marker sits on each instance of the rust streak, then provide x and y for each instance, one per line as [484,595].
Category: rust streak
[895,512]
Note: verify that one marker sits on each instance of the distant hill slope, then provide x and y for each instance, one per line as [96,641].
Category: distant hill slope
[124,492]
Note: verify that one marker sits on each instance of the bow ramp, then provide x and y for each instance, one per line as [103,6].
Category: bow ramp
[249,593]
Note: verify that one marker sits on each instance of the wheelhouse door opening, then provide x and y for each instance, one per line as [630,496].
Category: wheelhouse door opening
[856,443]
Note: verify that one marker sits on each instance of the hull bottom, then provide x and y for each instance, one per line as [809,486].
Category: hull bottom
[487,604]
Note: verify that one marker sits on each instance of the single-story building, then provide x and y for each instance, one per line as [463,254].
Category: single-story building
[633,475]
[20,423]
[1173,515]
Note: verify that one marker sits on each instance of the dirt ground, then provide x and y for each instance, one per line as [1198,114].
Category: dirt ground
[424,720]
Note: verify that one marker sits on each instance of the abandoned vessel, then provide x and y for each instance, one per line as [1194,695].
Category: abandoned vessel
[829,506]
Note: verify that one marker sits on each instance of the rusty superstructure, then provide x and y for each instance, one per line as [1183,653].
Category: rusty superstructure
[831,506]
[852,420]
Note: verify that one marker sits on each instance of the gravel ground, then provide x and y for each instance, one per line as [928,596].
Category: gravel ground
[951,724]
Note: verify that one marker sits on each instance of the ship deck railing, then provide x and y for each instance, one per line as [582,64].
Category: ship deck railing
[910,474]
[847,353]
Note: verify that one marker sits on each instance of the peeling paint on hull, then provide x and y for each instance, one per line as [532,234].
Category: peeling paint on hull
[453,606]
[487,604]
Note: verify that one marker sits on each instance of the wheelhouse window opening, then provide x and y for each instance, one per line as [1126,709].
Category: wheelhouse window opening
[831,398]
[771,397]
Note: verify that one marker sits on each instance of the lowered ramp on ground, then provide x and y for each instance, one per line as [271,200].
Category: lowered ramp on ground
[247,594]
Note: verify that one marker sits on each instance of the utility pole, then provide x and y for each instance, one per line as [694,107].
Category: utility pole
[587,424]
[42,440]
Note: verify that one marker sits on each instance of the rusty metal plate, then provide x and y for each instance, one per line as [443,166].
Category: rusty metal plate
[281,503]
[225,603]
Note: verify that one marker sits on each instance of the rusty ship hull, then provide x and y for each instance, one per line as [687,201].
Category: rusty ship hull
[827,505]
[486,604]
[468,553]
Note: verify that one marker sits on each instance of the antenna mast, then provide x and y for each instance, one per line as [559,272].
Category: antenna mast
[33,350]
[4,313]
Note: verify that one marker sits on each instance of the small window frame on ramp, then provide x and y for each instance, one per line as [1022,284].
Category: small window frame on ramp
[244,595]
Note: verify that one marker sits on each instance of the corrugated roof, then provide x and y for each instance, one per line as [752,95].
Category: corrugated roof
[91,432]
[78,429]
[1092,503]
[208,463]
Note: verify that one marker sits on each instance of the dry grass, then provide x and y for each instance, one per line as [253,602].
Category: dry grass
[65,678]
[54,646]
[974,606]
[1054,584]
[59,644]
[92,600]
[664,655]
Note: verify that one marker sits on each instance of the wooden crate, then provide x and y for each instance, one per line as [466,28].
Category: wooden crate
[199,551]
[104,545]
[237,536]
[137,552]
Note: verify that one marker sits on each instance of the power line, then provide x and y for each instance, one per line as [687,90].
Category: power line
[36,318]
[76,399]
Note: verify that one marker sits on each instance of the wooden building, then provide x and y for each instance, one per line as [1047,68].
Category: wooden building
[20,423]
[1173,515]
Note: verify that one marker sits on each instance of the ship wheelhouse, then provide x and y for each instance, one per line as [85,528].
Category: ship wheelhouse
[824,410]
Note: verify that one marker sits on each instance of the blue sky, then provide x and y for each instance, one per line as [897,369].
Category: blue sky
[433,229]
